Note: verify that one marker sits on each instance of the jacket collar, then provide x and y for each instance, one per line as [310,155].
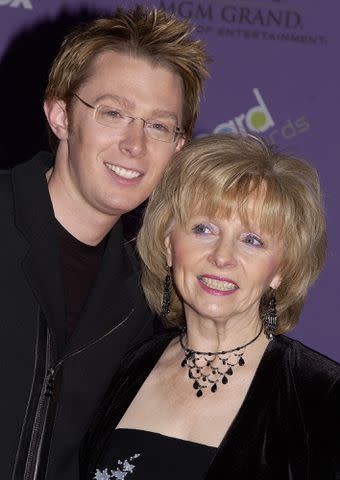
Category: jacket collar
[33,206]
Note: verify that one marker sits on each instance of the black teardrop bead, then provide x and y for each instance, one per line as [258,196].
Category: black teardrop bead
[229,371]
[224,380]
[184,362]
[190,374]
[196,385]
[214,388]
[214,372]
[197,370]
[199,393]
[241,362]
[204,379]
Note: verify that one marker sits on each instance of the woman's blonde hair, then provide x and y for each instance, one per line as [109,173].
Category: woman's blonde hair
[215,176]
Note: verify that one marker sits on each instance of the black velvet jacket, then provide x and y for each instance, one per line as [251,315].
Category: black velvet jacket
[286,429]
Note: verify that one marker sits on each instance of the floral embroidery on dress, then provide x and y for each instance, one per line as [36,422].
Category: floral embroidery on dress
[123,469]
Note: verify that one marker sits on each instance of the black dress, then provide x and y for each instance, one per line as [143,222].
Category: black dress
[288,427]
[140,455]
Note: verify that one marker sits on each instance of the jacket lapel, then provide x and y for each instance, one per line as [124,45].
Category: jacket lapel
[112,297]
[34,217]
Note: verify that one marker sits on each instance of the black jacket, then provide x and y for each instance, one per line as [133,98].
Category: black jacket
[286,429]
[49,390]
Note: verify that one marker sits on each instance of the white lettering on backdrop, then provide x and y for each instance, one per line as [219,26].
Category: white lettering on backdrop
[17,3]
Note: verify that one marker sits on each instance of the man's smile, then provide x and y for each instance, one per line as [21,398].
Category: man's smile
[123,172]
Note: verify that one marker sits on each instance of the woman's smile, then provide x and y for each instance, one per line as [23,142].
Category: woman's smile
[217,285]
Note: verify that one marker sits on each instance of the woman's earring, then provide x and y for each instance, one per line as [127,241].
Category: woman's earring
[166,296]
[270,319]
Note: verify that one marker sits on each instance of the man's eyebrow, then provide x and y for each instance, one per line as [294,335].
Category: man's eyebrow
[164,114]
[126,103]
[123,101]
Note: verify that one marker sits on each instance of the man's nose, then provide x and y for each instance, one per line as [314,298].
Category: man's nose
[133,140]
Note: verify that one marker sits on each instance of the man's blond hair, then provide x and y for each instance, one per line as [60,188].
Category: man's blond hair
[153,34]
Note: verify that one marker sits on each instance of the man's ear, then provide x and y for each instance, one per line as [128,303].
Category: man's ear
[168,250]
[55,111]
[180,143]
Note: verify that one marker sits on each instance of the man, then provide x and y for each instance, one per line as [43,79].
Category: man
[122,98]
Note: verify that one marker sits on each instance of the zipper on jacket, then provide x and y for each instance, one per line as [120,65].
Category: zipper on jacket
[47,390]
[33,454]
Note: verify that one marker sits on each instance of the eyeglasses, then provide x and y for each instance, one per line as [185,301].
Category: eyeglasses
[112,117]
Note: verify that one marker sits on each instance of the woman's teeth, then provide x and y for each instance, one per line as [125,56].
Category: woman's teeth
[217,284]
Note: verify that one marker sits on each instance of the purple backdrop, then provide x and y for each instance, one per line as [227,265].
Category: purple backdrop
[275,72]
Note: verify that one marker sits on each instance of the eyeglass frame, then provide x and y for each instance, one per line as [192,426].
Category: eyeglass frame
[177,131]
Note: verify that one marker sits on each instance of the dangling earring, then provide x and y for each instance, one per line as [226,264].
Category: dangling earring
[166,296]
[270,319]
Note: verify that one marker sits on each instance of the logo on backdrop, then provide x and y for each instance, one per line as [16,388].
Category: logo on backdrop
[252,20]
[17,3]
[258,119]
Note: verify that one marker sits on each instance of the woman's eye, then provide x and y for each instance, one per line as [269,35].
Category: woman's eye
[252,239]
[202,229]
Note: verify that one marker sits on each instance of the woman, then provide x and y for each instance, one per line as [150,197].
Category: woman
[234,236]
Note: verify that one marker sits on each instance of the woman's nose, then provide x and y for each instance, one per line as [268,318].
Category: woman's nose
[223,254]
